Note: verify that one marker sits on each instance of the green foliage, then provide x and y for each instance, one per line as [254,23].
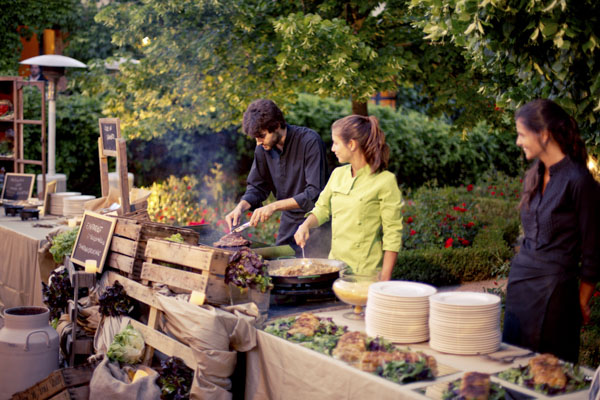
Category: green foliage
[422,149]
[76,138]
[427,256]
[26,17]
[62,244]
[589,349]
[526,50]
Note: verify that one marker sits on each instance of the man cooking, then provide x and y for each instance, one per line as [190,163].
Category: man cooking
[290,162]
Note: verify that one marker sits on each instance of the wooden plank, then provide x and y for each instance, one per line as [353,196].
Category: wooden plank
[181,254]
[174,277]
[124,246]
[123,176]
[128,228]
[219,263]
[152,323]
[165,344]
[154,230]
[135,290]
[120,262]
[217,291]
[103,169]
[75,393]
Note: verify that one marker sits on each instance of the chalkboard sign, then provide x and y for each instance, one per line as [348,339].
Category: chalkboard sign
[110,131]
[17,186]
[93,239]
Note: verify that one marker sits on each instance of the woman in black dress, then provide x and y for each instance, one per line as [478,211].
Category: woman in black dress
[553,276]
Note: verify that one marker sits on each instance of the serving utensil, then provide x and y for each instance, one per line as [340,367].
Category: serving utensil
[304,260]
[241,228]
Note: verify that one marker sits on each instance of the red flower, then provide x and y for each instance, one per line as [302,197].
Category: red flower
[448,243]
[204,211]
[457,208]
[278,220]
[501,194]
[171,218]
[464,242]
[196,223]
[409,220]
[412,232]
[249,214]
[275,235]
[469,187]
[249,235]
[189,187]
[597,293]
[161,217]
[493,193]
[470,224]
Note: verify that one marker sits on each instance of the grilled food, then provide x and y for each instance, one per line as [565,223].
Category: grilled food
[546,369]
[306,324]
[475,386]
[350,347]
[372,359]
[232,240]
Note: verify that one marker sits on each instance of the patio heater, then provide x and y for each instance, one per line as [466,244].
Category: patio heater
[54,68]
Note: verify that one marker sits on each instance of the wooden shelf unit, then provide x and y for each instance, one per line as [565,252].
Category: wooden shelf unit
[11,88]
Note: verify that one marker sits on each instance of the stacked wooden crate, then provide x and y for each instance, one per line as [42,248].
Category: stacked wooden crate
[128,246]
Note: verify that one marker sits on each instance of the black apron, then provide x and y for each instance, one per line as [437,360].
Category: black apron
[542,307]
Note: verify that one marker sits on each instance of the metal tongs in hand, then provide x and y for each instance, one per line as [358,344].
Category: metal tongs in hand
[241,228]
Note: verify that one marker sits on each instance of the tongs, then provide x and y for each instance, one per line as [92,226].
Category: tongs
[241,228]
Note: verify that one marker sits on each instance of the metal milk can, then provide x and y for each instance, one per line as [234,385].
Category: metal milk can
[28,349]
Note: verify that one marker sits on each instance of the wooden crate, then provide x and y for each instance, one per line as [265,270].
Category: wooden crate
[76,393]
[153,338]
[191,268]
[128,245]
[56,382]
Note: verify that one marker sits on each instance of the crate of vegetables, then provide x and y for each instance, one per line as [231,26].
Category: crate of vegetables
[128,245]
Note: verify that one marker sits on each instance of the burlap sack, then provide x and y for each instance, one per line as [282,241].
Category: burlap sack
[109,381]
[214,336]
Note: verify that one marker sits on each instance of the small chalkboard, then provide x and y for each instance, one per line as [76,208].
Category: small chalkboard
[50,188]
[17,186]
[110,131]
[93,239]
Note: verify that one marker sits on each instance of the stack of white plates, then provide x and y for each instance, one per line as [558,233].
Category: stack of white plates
[56,201]
[73,205]
[398,311]
[464,322]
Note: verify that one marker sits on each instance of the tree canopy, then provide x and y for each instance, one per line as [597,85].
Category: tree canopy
[203,61]
[527,49]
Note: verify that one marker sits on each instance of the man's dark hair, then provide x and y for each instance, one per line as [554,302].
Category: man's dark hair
[260,115]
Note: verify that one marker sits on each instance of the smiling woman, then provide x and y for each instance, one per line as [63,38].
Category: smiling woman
[559,214]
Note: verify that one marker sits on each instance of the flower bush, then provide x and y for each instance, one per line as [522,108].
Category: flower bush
[179,201]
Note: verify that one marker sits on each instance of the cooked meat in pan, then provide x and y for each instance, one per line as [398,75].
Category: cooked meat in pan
[232,240]
[303,270]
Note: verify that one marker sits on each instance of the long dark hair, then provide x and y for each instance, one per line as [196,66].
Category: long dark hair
[368,135]
[543,114]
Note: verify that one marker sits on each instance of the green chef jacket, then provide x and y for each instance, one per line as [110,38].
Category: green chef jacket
[366,218]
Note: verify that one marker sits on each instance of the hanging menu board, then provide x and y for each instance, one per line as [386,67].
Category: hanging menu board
[93,240]
[110,131]
[17,186]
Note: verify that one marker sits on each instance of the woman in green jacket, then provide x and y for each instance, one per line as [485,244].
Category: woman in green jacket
[362,200]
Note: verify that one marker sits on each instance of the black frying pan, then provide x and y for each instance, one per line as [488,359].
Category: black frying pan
[331,276]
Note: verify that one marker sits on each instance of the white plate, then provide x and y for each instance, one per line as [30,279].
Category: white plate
[464,299]
[401,289]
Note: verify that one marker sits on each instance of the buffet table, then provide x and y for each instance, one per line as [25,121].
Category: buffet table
[22,268]
[278,369]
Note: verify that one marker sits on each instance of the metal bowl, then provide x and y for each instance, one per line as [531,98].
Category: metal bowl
[331,276]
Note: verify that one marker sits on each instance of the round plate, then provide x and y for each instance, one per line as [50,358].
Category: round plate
[402,289]
[465,299]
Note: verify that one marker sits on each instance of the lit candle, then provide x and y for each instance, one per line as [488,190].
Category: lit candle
[197,298]
[91,266]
